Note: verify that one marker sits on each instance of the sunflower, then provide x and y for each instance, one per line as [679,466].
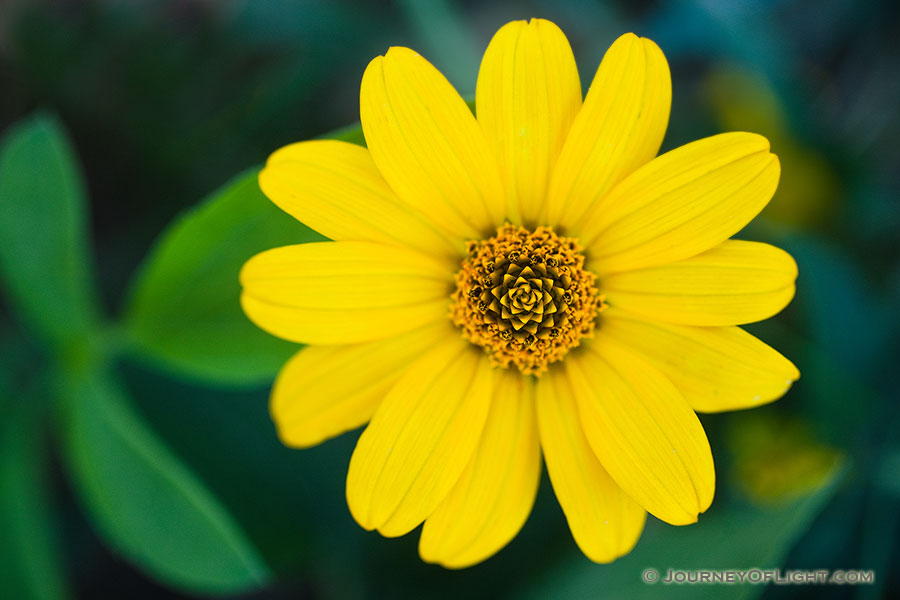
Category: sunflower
[534,281]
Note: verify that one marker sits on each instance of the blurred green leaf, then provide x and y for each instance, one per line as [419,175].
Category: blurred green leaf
[44,258]
[290,504]
[30,563]
[144,501]
[184,310]
[732,535]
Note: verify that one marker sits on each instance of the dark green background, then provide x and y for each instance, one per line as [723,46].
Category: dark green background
[164,102]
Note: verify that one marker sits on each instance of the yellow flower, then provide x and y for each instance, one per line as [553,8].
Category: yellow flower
[532,282]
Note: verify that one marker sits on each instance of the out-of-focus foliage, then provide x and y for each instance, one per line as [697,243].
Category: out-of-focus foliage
[143,499]
[185,310]
[32,565]
[43,243]
[137,458]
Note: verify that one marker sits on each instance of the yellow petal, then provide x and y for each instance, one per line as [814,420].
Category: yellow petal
[619,128]
[421,438]
[605,522]
[527,96]
[343,292]
[681,203]
[735,282]
[335,188]
[428,146]
[716,368]
[324,391]
[492,499]
[643,431]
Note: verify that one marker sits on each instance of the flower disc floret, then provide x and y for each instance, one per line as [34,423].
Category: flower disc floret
[525,297]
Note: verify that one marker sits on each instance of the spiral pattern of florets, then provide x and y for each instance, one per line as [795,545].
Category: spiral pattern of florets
[525,297]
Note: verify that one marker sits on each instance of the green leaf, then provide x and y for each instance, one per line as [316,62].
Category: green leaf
[144,501]
[732,535]
[30,561]
[44,258]
[185,309]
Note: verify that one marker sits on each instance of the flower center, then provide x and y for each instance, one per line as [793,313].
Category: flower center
[525,297]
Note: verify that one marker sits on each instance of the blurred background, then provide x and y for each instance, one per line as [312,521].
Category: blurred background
[137,458]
